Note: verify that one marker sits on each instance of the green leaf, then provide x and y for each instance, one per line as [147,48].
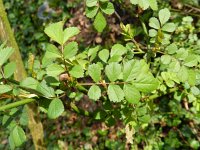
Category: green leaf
[100,22]
[169,77]
[191,60]
[91,11]
[107,8]
[115,58]
[194,144]
[146,83]
[104,55]
[164,15]
[183,74]
[152,32]
[9,69]
[174,66]
[153,4]
[113,71]
[92,52]
[103,1]
[166,59]
[55,32]
[171,49]
[145,118]
[5,88]
[91,3]
[44,89]
[70,32]
[77,71]
[144,4]
[154,23]
[11,143]
[191,77]
[181,54]
[118,49]
[56,108]
[94,92]
[169,27]
[132,95]
[132,69]
[24,117]
[134,2]
[52,52]
[5,53]
[18,136]
[54,70]
[29,82]
[44,104]
[115,93]
[94,71]
[195,90]
[70,50]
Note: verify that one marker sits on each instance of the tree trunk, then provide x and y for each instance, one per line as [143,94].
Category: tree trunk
[6,34]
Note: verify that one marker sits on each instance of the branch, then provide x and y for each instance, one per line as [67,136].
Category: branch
[116,83]
[16,104]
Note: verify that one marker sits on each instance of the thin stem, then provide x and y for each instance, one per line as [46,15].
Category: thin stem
[193,7]
[118,16]
[117,83]
[2,73]
[184,13]
[16,104]
[69,62]
[138,52]
[137,45]
[62,50]
[154,96]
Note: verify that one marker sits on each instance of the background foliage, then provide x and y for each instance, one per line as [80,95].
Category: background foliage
[112,75]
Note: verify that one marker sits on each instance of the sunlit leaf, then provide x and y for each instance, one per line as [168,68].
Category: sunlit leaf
[115,93]
[94,71]
[18,136]
[70,50]
[132,95]
[164,15]
[100,22]
[94,92]
[113,71]
[55,109]
[5,53]
[5,88]
[55,32]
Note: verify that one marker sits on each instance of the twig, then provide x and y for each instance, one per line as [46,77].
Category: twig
[192,7]
[117,83]
[183,12]
[62,50]
[2,73]
[16,104]
[137,45]
[118,16]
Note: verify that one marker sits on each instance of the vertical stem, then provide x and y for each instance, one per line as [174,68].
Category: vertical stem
[6,34]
